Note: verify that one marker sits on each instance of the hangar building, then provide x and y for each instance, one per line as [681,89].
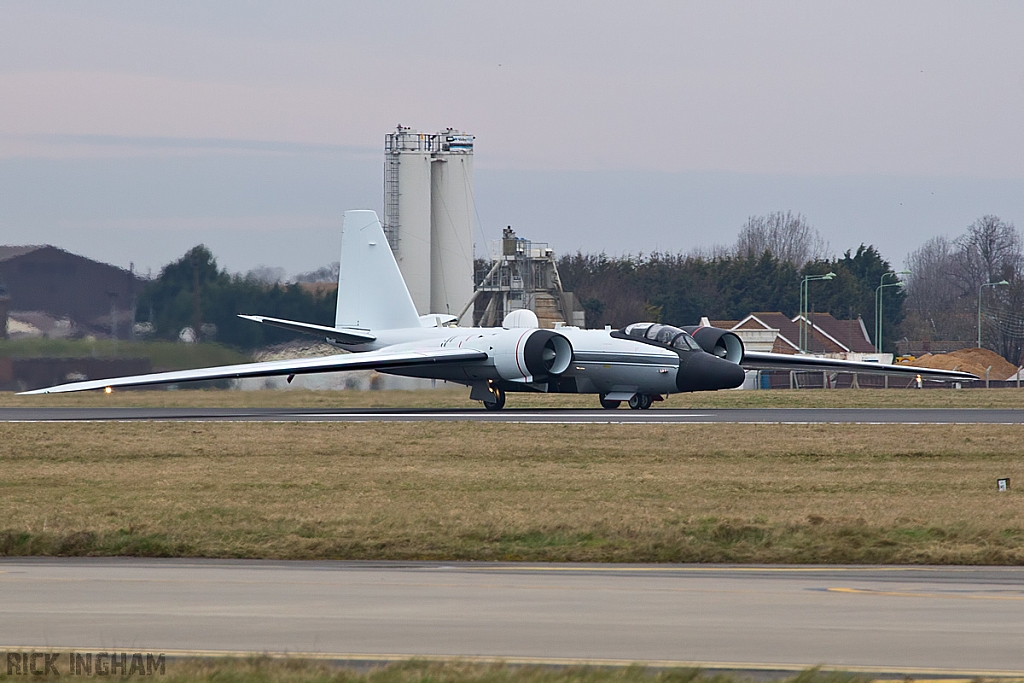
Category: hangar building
[44,284]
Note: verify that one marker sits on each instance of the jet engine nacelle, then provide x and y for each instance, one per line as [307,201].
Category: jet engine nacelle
[717,342]
[531,355]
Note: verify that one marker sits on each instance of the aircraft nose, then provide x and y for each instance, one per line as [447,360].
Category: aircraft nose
[704,372]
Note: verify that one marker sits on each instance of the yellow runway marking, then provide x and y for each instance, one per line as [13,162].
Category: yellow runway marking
[966,674]
[911,594]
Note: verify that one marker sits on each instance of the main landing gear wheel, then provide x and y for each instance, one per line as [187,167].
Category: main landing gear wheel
[640,402]
[499,400]
[609,405]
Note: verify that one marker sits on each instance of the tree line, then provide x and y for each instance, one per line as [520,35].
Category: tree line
[761,272]
[193,292]
[937,300]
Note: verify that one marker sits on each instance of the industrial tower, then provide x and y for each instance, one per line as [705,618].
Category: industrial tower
[428,215]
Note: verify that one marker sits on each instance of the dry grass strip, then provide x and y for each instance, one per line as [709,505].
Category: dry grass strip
[267,670]
[621,493]
[448,396]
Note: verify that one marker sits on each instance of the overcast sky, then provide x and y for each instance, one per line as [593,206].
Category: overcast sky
[131,131]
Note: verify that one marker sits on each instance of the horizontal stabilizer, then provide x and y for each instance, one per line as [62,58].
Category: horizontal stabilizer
[372,360]
[342,335]
[753,360]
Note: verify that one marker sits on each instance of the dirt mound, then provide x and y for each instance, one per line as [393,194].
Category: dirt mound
[294,349]
[971,360]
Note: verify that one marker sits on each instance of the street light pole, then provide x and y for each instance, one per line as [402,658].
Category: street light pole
[987,284]
[803,318]
[878,305]
[805,306]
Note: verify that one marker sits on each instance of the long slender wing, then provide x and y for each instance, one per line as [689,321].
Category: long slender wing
[349,361]
[754,360]
[343,335]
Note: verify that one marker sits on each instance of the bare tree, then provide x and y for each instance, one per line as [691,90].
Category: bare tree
[990,251]
[328,273]
[787,236]
[945,288]
[268,275]
[712,252]
[935,303]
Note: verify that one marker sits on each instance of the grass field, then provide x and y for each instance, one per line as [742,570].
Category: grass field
[458,397]
[265,670]
[165,355]
[621,493]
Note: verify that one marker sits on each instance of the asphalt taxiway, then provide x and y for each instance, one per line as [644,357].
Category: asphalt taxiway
[550,416]
[912,620]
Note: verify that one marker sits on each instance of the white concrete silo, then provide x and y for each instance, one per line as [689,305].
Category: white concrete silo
[407,158]
[451,223]
[428,215]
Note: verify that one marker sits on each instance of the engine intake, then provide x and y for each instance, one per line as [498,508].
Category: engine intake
[532,355]
[718,342]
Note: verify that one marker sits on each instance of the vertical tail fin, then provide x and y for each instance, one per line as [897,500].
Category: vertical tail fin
[371,291]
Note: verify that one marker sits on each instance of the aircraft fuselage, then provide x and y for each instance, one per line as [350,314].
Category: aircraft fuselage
[600,363]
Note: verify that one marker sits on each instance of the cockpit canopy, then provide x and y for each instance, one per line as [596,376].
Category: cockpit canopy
[665,335]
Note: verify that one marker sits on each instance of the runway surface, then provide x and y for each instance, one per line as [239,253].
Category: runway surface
[551,416]
[925,620]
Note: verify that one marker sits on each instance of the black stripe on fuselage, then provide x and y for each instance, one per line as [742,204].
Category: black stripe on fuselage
[623,358]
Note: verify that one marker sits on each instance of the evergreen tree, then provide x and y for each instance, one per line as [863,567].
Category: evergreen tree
[852,292]
[193,290]
[682,288]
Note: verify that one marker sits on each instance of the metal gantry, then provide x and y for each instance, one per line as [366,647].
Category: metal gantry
[523,274]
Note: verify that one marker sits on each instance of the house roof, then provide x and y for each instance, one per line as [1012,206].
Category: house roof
[828,335]
[852,335]
[789,332]
[9,252]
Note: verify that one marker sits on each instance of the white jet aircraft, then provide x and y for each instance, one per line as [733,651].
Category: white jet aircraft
[378,325]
